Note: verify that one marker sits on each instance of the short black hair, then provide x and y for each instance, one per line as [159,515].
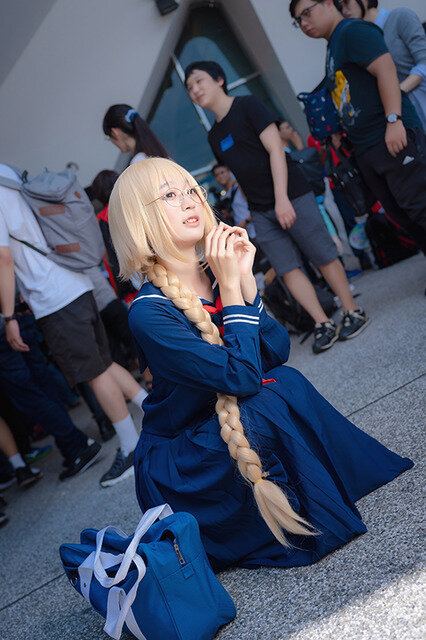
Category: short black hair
[292,7]
[372,4]
[214,70]
[102,185]
[219,165]
[294,3]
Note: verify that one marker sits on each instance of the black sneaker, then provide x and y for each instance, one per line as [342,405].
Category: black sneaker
[83,461]
[325,335]
[353,323]
[6,480]
[3,519]
[121,469]
[27,476]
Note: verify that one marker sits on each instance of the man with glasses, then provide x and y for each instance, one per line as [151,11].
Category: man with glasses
[284,210]
[379,119]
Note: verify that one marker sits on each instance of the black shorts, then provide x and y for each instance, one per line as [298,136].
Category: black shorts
[77,339]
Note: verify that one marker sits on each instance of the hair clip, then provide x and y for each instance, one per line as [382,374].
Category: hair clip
[130,115]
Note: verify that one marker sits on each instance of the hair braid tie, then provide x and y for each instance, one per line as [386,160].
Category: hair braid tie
[271,500]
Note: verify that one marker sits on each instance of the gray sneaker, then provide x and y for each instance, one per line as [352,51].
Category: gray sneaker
[325,335]
[353,323]
[121,468]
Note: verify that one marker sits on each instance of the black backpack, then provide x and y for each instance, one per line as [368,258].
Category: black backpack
[309,163]
[289,312]
[347,180]
[388,240]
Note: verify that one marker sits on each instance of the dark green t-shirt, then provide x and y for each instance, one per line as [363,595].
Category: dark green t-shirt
[353,46]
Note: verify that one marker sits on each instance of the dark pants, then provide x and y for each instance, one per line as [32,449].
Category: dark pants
[27,381]
[120,339]
[20,424]
[400,183]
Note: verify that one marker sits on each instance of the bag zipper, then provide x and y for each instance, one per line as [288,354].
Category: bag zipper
[180,557]
[168,535]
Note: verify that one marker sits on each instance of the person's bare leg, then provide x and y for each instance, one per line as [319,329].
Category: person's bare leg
[126,382]
[334,274]
[303,291]
[7,441]
[109,396]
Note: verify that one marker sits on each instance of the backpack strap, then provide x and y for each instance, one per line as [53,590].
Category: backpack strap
[10,183]
[233,192]
[31,246]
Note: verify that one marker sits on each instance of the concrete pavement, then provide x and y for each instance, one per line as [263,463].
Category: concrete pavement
[369,589]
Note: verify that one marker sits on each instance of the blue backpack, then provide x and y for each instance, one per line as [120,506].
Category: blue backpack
[154,585]
[321,114]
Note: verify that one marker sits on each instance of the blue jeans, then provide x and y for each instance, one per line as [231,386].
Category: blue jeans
[28,383]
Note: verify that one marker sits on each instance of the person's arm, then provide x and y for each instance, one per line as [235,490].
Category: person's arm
[270,138]
[411,82]
[274,338]
[178,354]
[7,299]
[412,34]
[384,70]
[297,141]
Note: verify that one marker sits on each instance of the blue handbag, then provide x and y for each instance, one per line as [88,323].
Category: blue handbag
[321,114]
[154,585]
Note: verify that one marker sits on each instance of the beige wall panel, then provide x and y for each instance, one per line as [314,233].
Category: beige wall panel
[86,55]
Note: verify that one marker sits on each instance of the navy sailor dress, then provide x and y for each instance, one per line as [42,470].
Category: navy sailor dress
[322,461]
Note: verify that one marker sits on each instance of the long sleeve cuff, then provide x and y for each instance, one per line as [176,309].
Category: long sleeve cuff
[237,318]
[258,304]
[419,70]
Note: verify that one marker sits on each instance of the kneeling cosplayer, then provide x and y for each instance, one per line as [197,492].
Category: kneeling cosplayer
[268,467]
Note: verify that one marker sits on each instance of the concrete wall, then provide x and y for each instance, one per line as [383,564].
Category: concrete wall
[73,59]
[84,56]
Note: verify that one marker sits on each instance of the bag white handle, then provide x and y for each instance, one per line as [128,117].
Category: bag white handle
[119,606]
[99,561]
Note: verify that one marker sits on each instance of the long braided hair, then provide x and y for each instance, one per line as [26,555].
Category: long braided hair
[125,225]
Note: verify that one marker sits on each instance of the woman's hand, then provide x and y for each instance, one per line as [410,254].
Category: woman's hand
[221,256]
[244,250]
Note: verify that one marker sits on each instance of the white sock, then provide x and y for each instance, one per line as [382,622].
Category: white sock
[139,398]
[16,461]
[127,434]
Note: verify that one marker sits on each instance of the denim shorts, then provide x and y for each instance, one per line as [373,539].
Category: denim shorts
[308,235]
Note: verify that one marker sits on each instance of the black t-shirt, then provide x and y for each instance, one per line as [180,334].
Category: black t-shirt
[235,142]
[353,46]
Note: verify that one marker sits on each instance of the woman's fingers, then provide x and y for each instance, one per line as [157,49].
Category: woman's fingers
[207,243]
[223,239]
[242,232]
[214,242]
[230,242]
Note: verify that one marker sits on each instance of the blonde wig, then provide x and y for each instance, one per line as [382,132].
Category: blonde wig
[140,236]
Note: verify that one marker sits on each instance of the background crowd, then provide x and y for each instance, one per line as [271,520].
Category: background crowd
[319,211]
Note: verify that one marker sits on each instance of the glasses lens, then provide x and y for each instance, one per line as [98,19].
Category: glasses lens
[197,193]
[172,197]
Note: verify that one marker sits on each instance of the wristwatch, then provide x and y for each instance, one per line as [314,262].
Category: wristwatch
[393,117]
[9,318]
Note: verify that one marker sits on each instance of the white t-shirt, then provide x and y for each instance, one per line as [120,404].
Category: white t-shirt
[139,156]
[45,286]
